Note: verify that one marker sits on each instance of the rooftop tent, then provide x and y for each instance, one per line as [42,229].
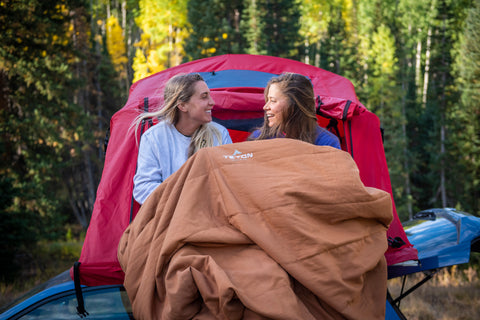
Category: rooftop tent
[236,83]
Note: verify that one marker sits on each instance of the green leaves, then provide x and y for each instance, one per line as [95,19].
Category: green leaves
[272,28]
[45,116]
[65,68]
[214,28]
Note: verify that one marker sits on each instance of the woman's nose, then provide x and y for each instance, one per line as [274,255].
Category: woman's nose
[266,107]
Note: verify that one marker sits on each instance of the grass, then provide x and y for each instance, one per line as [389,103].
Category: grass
[43,262]
[452,294]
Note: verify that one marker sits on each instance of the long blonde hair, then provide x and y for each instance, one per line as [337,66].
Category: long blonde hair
[180,88]
[299,118]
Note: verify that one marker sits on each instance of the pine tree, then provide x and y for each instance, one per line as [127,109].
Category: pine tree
[272,27]
[41,128]
[56,100]
[214,29]
[465,115]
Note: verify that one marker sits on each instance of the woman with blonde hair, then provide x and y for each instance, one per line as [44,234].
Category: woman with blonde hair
[185,125]
[290,112]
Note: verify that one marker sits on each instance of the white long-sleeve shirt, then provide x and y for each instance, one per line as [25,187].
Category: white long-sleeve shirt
[163,150]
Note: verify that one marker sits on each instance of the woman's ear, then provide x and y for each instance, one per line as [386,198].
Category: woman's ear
[182,107]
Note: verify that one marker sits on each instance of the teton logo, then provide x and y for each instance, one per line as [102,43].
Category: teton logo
[237,155]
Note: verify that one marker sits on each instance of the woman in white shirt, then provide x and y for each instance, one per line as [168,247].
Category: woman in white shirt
[185,126]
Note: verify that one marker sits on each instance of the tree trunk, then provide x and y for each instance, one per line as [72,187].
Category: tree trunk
[442,163]
[443,110]
[418,64]
[125,36]
[307,52]
[317,54]
[170,45]
[406,166]
[427,67]
[78,211]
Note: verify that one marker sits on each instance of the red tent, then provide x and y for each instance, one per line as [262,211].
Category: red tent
[237,83]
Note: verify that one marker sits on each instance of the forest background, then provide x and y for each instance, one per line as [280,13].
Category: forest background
[66,68]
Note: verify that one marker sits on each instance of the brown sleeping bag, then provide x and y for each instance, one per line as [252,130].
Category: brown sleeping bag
[274,229]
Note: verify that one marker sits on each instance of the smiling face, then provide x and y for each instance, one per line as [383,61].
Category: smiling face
[275,105]
[198,110]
